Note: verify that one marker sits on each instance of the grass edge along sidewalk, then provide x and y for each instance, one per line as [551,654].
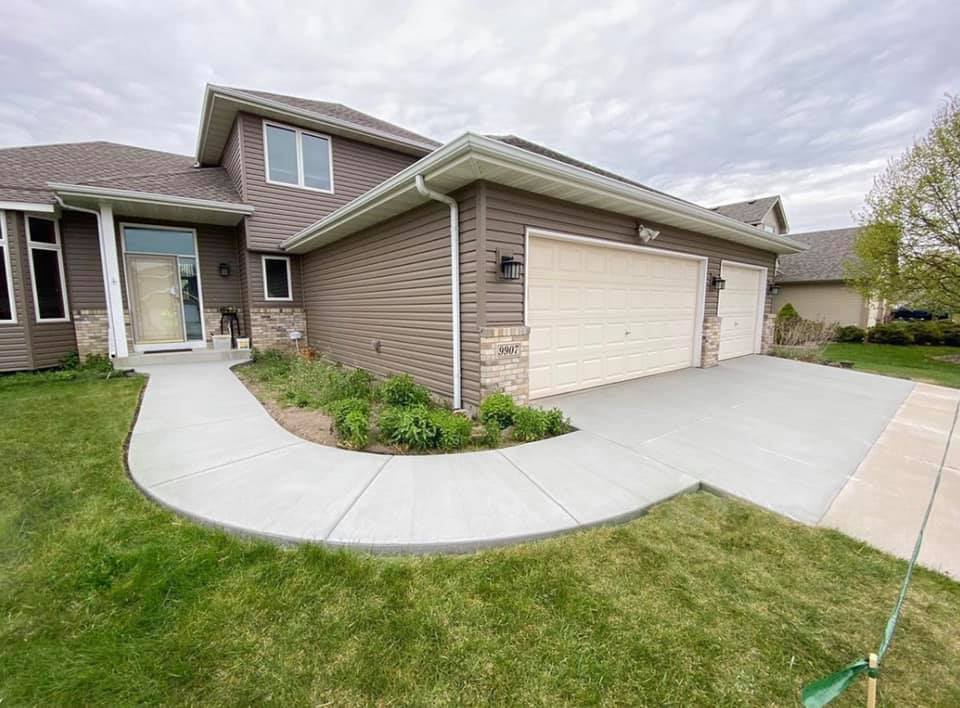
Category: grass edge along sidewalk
[822,691]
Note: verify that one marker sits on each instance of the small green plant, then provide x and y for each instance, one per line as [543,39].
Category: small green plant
[408,426]
[556,422]
[269,365]
[499,408]
[70,361]
[401,390]
[97,364]
[529,424]
[452,431]
[351,421]
[890,334]
[491,434]
[849,334]
[359,384]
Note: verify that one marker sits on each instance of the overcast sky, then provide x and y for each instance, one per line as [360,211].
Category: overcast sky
[712,102]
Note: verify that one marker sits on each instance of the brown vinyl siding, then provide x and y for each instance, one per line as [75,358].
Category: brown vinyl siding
[81,251]
[509,212]
[389,283]
[281,210]
[233,158]
[15,354]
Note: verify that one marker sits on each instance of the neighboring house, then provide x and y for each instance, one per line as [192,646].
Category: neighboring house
[486,263]
[813,283]
[764,212]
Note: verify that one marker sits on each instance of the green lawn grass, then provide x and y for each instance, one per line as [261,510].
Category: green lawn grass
[919,363]
[106,598]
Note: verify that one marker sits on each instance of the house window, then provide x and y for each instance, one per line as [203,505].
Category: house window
[297,158]
[46,270]
[8,310]
[276,278]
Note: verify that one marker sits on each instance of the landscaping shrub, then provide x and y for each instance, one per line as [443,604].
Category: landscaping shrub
[401,390]
[850,334]
[408,426]
[808,354]
[270,365]
[529,424]
[70,361]
[926,332]
[359,384]
[889,334]
[491,435]
[556,422]
[951,333]
[452,431]
[499,408]
[351,421]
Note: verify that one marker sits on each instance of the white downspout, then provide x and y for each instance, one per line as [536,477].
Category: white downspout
[117,346]
[454,278]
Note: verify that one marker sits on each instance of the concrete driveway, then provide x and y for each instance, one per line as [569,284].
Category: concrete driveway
[782,434]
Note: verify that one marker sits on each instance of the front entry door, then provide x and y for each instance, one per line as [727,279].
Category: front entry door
[155,294]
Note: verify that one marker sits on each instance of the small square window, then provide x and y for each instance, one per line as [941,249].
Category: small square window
[276,278]
[42,231]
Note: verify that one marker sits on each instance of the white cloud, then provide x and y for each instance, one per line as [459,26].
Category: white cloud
[711,101]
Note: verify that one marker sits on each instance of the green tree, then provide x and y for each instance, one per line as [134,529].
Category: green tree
[909,249]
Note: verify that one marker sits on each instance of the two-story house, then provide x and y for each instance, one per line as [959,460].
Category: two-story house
[485,263]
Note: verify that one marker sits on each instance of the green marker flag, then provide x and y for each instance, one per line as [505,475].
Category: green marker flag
[819,693]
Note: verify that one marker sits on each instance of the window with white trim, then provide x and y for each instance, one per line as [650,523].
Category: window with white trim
[297,158]
[46,270]
[276,278]
[8,308]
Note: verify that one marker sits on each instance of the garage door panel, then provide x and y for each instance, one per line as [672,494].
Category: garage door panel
[622,314]
[739,310]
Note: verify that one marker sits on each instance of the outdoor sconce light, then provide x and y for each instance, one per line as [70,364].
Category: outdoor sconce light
[224,270]
[719,283]
[509,266]
[774,289]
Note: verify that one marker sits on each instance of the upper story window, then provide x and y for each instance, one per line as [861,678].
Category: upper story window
[46,270]
[8,311]
[297,157]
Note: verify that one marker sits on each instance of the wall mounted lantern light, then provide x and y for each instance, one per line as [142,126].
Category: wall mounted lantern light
[719,283]
[774,289]
[224,269]
[509,267]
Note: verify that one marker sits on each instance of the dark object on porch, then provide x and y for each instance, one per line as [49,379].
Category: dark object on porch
[905,314]
[230,320]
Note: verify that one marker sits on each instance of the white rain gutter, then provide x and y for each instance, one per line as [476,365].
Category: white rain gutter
[454,277]
[111,330]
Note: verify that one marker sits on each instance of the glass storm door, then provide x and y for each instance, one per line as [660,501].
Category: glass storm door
[156,299]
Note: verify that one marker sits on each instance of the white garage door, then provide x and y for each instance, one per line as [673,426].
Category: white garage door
[599,314]
[740,305]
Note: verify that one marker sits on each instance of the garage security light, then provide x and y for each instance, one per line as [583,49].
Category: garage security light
[510,266]
[719,283]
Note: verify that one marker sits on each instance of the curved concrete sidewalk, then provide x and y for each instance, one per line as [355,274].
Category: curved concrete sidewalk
[204,446]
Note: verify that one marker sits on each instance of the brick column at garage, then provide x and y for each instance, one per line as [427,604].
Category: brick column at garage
[710,351]
[505,361]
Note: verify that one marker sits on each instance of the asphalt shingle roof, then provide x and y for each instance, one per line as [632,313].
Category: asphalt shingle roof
[751,211]
[25,171]
[340,112]
[823,261]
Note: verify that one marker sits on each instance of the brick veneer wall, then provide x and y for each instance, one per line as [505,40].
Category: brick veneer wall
[766,339]
[92,329]
[502,370]
[710,352]
[270,327]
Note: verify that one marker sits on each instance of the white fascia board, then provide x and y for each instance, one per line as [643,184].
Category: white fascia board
[470,146]
[36,207]
[124,195]
[323,122]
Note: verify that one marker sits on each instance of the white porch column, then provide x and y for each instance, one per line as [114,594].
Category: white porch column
[111,282]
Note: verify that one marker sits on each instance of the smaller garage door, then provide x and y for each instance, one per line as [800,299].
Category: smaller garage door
[739,309]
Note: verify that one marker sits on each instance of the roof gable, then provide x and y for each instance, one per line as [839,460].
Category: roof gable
[823,261]
[753,211]
[222,103]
